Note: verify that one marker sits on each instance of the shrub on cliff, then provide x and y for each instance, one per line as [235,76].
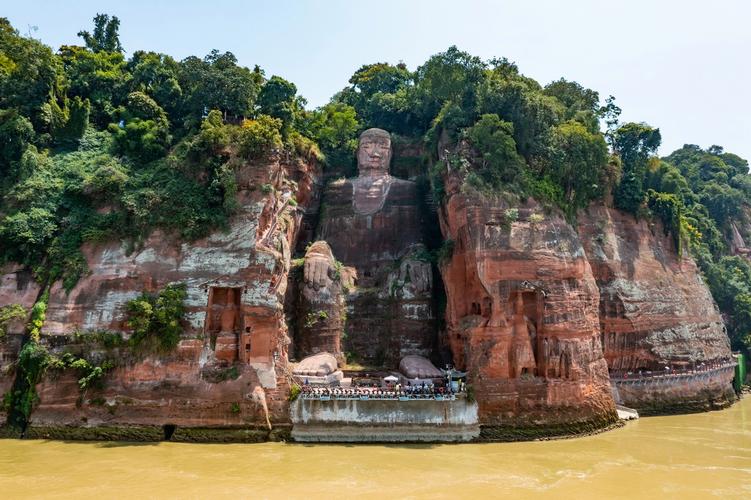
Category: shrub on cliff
[156,319]
[8,313]
[259,136]
[143,132]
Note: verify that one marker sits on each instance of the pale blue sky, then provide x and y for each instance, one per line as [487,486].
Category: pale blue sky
[681,65]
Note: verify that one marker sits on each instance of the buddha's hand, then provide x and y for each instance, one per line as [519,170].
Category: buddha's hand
[316,271]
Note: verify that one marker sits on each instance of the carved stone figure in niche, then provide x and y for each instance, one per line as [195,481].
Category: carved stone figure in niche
[522,357]
[223,322]
[229,313]
[224,310]
[374,224]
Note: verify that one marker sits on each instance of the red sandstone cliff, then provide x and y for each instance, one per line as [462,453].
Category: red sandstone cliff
[522,314]
[655,312]
[231,363]
[531,301]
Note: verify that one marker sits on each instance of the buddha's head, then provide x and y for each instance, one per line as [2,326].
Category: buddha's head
[374,153]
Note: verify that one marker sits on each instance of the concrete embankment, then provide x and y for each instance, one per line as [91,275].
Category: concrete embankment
[354,420]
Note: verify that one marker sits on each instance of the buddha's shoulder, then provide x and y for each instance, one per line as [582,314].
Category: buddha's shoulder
[402,186]
[339,189]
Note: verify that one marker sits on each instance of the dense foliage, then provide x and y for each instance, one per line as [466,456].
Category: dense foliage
[99,146]
[96,146]
[155,319]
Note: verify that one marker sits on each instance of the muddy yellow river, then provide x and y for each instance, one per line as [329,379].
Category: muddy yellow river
[693,456]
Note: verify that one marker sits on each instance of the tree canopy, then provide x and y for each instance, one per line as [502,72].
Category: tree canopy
[96,145]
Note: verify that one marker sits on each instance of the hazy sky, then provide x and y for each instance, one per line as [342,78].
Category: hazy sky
[681,65]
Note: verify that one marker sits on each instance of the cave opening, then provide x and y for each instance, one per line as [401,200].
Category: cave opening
[169,431]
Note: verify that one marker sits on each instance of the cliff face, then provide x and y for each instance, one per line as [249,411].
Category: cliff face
[522,314]
[537,311]
[655,312]
[230,367]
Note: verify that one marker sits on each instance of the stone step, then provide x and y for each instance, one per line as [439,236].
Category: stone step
[625,413]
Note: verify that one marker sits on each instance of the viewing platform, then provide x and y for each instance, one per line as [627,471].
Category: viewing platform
[384,418]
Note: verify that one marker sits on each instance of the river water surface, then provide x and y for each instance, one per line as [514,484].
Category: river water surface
[692,456]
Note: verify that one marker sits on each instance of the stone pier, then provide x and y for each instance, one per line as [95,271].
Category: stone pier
[385,420]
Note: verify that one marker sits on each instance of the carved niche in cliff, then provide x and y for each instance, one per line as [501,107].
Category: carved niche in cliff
[223,321]
[224,307]
[375,224]
[509,337]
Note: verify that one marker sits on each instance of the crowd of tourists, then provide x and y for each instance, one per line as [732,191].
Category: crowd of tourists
[391,391]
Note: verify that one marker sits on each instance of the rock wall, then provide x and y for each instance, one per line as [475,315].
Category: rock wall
[655,310]
[681,392]
[230,368]
[538,312]
[522,314]
[17,286]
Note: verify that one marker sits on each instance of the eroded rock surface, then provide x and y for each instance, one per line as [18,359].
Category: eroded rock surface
[235,340]
[522,314]
[655,310]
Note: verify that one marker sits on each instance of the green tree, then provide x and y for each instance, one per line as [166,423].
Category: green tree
[105,37]
[520,101]
[157,75]
[260,136]
[577,160]
[634,143]
[31,77]
[26,234]
[278,99]
[100,77]
[380,94]
[499,162]
[74,118]
[217,82]
[581,104]
[16,132]
[334,127]
[143,133]
[722,201]
[449,76]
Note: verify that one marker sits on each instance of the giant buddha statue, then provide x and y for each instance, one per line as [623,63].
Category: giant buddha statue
[373,219]
[373,223]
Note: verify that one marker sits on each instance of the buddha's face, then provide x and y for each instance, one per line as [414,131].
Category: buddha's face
[374,155]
